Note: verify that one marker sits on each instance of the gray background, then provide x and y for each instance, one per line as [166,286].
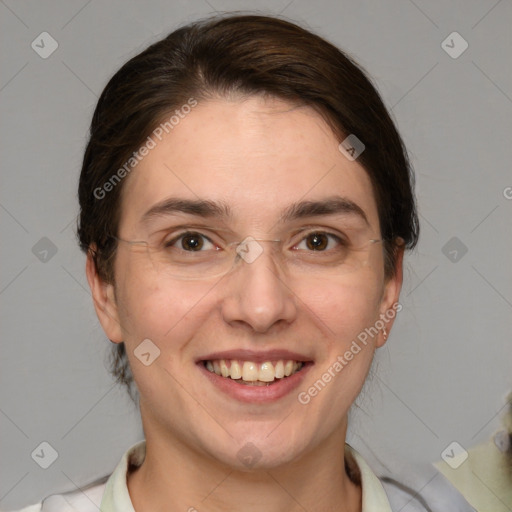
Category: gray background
[446,369]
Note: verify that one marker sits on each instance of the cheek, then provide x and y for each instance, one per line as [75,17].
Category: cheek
[347,308]
[344,307]
[168,316]
[151,307]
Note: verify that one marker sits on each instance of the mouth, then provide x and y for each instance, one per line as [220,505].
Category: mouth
[255,377]
[252,373]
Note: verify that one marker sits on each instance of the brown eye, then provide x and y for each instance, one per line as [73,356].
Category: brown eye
[317,241]
[192,242]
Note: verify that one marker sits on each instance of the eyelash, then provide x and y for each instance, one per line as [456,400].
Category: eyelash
[170,243]
[339,240]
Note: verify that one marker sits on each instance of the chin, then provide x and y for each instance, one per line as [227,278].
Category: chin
[259,452]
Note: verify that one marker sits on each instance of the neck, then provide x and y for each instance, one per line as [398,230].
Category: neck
[169,481]
[174,477]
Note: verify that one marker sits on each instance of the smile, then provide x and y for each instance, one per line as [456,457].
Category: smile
[257,379]
[253,373]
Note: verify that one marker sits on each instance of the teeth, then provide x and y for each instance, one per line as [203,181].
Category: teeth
[266,373]
[234,370]
[224,370]
[252,372]
[279,369]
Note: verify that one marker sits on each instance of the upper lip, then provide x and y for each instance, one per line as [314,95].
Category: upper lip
[255,356]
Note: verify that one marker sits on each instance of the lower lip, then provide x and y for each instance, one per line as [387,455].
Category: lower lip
[257,394]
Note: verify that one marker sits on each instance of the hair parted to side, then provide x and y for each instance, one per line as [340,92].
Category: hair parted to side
[239,56]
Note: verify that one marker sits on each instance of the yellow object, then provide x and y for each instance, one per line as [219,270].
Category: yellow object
[485,478]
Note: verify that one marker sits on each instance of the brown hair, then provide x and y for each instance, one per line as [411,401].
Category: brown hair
[240,55]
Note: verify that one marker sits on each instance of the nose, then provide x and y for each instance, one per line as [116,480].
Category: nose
[257,295]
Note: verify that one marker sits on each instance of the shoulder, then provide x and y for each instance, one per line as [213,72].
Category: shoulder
[106,491]
[432,494]
[413,487]
[484,475]
[31,508]
[87,499]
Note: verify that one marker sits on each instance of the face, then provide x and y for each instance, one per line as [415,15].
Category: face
[254,159]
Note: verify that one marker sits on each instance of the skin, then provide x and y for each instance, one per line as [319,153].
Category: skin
[258,155]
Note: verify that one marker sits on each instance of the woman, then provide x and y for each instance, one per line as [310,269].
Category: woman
[246,202]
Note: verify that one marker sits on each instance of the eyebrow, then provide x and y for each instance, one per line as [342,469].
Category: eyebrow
[333,205]
[199,207]
[330,206]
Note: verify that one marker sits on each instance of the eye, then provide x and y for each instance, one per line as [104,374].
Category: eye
[320,241]
[190,241]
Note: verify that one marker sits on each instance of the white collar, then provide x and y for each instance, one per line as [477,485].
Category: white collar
[117,499]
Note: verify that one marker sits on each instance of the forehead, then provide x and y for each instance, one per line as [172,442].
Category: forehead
[256,155]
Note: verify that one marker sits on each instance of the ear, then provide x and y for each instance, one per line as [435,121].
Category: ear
[104,300]
[390,306]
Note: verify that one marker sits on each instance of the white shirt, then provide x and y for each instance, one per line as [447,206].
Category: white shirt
[111,494]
